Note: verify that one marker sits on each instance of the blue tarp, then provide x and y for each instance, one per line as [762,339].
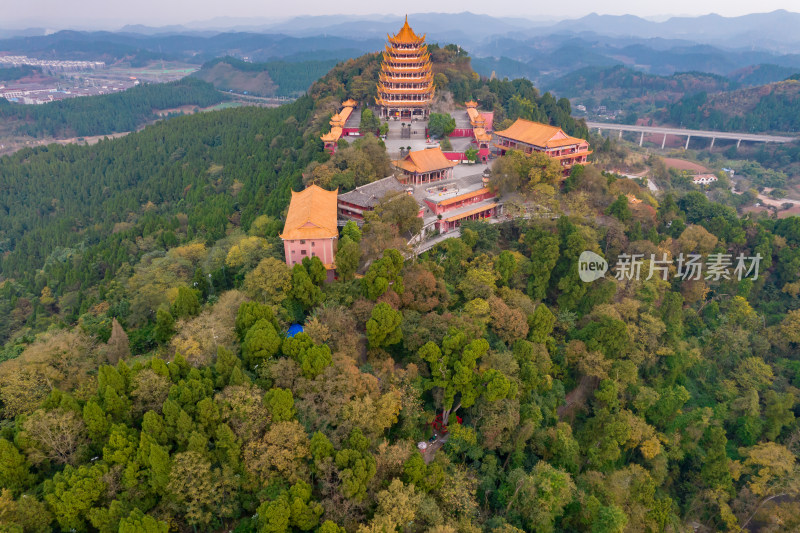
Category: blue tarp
[294,329]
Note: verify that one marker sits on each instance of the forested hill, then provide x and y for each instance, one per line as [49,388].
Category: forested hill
[108,113]
[273,78]
[623,83]
[768,108]
[148,384]
[71,215]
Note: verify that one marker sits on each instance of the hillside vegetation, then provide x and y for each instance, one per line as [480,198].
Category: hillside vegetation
[275,78]
[774,107]
[107,113]
[147,383]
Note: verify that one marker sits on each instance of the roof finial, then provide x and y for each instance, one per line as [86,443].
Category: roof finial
[406,18]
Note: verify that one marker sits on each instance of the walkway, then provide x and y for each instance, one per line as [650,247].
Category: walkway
[706,134]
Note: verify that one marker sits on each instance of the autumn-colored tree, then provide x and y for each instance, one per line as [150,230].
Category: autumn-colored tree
[281,452]
[269,282]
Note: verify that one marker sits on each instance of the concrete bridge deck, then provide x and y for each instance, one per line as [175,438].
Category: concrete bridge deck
[682,132]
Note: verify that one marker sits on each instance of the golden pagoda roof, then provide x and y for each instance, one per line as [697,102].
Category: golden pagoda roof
[385,76]
[538,134]
[406,35]
[471,103]
[421,49]
[349,103]
[421,58]
[400,90]
[390,69]
[312,215]
[421,161]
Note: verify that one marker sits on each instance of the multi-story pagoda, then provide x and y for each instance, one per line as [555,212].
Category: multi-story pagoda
[405,89]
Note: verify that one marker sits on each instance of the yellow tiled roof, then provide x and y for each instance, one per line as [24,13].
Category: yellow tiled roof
[406,35]
[466,196]
[349,103]
[481,135]
[423,161]
[475,211]
[538,134]
[333,135]
[471,103]
[312,215]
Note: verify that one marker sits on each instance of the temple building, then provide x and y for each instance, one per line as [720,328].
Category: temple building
[424,166]
[353,204]
[452,205]
[528,137]
[337,122]
[311,229]
[405,89]
[481,123]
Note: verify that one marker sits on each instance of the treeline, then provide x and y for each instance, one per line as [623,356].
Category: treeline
[634,84]
[778,112]
[108,113]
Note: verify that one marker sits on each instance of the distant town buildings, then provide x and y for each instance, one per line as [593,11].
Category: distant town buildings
[529,137]
[50,65]
[405,88]
[311,227]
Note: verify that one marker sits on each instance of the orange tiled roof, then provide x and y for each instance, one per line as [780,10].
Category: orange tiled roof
[538,134]
[471,103]
[422,161]
[466,196]
[481,135]
[312,215]
[475,211]
[349,103]
[333,135]
[406,35]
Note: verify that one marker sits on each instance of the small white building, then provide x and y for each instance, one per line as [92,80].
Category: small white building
[704,179]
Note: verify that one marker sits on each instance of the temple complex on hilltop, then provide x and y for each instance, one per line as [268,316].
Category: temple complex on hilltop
[405,89]
[424,166]
[311,228]
[338,121]
[528,137]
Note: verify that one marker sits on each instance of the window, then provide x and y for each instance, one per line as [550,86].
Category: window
[313,244]
[302,252]
[302,241]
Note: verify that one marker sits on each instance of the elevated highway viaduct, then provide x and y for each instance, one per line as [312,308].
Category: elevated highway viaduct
[682,132]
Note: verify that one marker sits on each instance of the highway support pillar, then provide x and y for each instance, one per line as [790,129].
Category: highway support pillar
[738,143]
[712,143]
[620,134]
[641,139]
[689,138]
[664,142]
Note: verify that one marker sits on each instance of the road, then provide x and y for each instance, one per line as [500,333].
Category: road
[708,134]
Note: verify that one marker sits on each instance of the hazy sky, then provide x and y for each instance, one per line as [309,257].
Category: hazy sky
[111,13]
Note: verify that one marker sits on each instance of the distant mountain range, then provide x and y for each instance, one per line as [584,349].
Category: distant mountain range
[749,50]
